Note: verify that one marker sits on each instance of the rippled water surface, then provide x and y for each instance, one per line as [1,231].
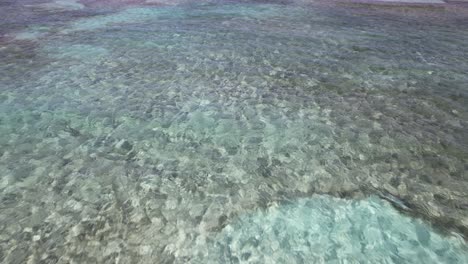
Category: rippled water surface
[233,132]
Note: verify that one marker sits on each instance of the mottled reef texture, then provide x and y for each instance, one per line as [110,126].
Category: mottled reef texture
[134,132]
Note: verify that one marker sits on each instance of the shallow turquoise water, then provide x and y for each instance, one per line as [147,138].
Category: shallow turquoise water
[216,133]
[331,230]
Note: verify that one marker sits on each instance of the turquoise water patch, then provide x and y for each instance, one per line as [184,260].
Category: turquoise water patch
[57,6]
[63,4]
[324,229]
[77,51]
[32,33]
[130,15]
[159,135]
[142,14]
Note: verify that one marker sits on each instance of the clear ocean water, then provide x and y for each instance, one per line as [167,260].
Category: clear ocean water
[233,132]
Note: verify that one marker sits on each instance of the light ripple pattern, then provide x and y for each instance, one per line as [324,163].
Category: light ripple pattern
[324,229]
[145,134]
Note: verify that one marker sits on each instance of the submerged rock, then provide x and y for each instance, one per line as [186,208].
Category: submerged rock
[123,146]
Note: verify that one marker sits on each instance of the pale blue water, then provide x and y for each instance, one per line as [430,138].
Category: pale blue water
[233,132]
[322,229]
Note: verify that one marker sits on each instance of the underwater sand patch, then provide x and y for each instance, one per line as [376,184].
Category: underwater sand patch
[328,229]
